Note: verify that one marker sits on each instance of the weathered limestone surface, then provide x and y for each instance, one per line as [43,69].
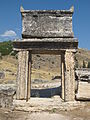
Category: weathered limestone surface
[46,44]
[47,104]
[83,91]
[47,32]
[6,95]
[83,74]
[22,76]
[47,23]
[63,75]
[69,76]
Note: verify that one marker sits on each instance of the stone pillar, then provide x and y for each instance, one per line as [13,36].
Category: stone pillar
[22,75]
[62,75]
[69,76]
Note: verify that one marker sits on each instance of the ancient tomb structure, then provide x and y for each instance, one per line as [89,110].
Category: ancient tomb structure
[46,32]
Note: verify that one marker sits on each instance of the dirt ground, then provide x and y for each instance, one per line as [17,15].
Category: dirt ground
[78,114]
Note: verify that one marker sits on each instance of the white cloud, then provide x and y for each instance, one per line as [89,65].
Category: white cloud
[9,33]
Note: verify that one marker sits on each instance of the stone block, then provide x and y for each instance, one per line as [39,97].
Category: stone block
[83,91]
[6,95]
[83,74]
[53,44]
[47,23]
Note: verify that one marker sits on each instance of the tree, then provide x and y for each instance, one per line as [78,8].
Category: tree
[6,48]
[88,65]
[0,56]
[84,65]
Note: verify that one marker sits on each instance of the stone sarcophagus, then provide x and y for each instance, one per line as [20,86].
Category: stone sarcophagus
[47,23]
[47,32]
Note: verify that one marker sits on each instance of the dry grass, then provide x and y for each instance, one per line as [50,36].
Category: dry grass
[49,66]
[8,65]
[44,74]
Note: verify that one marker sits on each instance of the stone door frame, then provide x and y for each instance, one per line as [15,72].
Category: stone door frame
[67,74]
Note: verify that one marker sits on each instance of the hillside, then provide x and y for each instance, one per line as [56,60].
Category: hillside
[83,55]
[44,67]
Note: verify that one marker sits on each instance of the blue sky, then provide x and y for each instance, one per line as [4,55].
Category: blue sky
[10,17]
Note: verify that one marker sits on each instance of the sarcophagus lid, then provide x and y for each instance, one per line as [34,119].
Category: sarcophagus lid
[46,23]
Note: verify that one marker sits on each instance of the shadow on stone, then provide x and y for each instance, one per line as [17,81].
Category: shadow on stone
[46,93]
[56,77]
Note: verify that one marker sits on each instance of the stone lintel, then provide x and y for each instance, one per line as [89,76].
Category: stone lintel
[46,44]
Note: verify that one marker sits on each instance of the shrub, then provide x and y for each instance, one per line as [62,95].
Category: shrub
[6,48]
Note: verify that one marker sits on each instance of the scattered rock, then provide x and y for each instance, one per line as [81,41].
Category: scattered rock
[6,95]
[83,83]
[83,74]
[7,70]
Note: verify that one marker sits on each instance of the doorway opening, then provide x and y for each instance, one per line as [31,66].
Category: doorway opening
[46,76]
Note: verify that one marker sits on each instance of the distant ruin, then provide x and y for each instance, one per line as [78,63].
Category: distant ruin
[46,32]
